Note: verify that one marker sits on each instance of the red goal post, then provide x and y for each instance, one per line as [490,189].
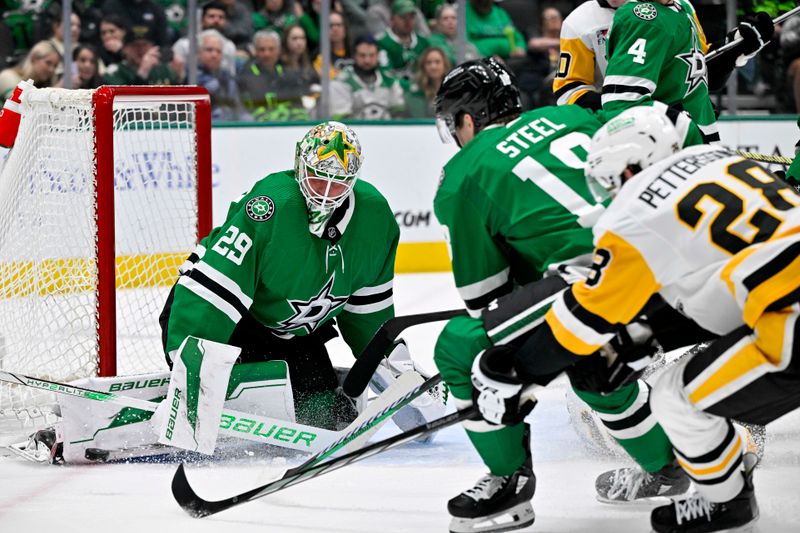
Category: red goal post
[104,99]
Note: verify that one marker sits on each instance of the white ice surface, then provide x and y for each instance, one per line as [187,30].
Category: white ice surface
[403,490]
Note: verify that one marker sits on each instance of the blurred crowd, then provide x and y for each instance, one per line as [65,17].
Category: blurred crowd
[260,61]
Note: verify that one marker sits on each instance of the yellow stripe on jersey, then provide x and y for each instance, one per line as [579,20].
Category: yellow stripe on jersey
[723,465]
[566,337]
[742,362]
[575,64]
[732,265]
[618,290]
[771,334]
[767,292]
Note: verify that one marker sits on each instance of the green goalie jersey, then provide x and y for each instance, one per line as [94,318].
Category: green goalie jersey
[264,261]
[514,201]
[656,52]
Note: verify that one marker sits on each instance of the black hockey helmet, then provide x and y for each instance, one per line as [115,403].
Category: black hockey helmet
[483,88]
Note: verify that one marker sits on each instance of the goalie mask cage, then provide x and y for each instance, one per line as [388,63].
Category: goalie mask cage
[103,196]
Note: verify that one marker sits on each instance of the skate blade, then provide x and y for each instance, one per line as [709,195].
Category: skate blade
[639,503]
[517,517]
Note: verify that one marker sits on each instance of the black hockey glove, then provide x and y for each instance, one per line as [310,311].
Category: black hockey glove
[756,33]
[499,394]
[620,362]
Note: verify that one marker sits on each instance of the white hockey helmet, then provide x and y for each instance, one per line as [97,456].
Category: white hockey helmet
[637,137]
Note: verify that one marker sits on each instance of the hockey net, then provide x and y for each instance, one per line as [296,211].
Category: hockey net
[101,199]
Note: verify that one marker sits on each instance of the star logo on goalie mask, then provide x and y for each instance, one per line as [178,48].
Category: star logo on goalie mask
[338,146]
[697,72]
[308,314]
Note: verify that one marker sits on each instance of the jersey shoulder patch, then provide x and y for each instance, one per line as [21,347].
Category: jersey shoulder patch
[645,11]
[260,208]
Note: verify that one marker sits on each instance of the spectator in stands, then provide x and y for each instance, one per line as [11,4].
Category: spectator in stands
[239,23]
[446,32]
[535,73]
[177,21]
[141,64]
[433,66]
[268,91]
[309,20]
[214,17]
[379,15]
[294,57]
[112,36]
[39,65]
[490,28]
[340,46]
[400,46]
[275,15]
[225,103]
[361,91]
[86,63]
[57,38]
[143,17]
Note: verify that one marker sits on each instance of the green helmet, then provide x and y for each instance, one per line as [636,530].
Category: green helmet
[328,162]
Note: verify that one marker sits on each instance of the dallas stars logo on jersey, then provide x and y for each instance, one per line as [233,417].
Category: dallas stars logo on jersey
[308,314]
[697,73]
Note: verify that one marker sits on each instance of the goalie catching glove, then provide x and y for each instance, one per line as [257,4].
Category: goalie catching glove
[499,394]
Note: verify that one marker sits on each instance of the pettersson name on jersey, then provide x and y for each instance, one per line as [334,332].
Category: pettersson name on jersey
[533,132]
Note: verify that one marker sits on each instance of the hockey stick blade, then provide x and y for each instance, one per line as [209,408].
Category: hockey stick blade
[366,363]
[197,507]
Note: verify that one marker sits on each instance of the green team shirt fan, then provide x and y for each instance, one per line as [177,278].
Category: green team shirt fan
[656,52]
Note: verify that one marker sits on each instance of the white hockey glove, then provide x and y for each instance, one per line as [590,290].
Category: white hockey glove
[500,396]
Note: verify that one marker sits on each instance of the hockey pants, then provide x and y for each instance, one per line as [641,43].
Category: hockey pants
[752,376]
[625,412]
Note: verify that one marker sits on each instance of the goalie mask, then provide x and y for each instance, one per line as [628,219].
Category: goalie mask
[327,163]
[635,139]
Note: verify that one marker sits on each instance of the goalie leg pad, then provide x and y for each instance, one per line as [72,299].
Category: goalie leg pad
[262,388]
[86,424]
[189,417]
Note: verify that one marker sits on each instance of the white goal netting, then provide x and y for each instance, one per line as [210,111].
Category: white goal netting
[49,238]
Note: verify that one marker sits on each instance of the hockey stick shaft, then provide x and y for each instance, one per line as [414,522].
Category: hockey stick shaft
[777,20]
[246,426]
[766,158]
[366,363]
[198,507]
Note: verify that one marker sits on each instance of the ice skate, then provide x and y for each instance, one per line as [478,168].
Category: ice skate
[634,485]
[696,514]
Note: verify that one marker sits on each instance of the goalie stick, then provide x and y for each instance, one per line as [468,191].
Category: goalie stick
[197,507]
[401,392]
[366,363]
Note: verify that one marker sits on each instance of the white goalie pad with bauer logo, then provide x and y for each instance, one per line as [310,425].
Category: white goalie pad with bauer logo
[259,389]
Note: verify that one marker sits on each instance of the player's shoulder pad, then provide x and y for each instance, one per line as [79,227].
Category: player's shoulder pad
[586,16]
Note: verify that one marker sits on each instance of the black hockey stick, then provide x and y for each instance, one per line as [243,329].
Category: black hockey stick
[185,496]
[366,363]
[197,507]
